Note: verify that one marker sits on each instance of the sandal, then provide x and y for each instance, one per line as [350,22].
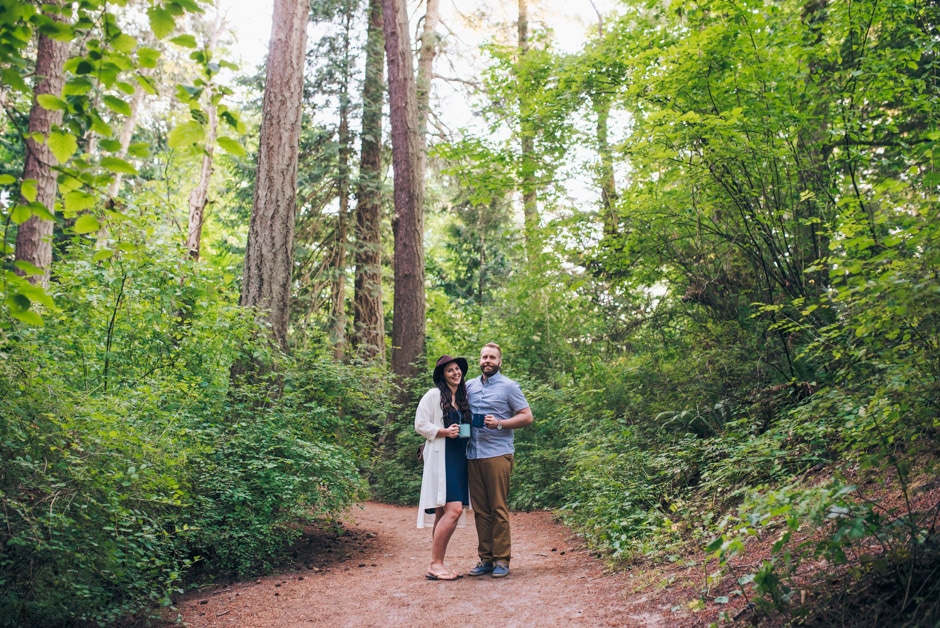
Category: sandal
[442,576]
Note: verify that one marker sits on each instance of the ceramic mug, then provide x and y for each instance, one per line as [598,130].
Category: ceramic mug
[464,430]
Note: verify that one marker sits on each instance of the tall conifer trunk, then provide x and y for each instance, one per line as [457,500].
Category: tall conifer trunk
[408,325]
[369,328]
[266,283]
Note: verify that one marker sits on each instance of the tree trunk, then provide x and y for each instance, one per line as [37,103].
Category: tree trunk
[199,197]
[426,56]
[527,145]
[369,315]
[408,324]
[266,284]
[338,292]
[606,172]
[34,237]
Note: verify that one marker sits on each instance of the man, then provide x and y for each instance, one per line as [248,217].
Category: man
[490,457]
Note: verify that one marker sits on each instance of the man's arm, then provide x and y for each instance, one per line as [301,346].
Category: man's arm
[523,418]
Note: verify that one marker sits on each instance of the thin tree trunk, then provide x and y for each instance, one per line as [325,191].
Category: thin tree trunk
[266,284]
[606,175]
[199,197]
[369,316]
[338,314]
[527,145]
[34,237]
[408,325]
[426,56]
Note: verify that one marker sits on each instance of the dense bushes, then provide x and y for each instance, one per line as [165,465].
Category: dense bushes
[127,457]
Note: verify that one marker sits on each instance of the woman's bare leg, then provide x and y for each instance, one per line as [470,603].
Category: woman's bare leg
[445,522]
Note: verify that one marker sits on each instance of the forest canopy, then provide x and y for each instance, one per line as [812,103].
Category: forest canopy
[707,240]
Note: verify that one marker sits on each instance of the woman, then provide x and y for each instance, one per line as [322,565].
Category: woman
[444,488]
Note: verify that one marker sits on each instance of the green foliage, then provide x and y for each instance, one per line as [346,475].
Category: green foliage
[128,455]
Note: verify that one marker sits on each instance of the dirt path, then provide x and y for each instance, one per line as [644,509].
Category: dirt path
[373,575]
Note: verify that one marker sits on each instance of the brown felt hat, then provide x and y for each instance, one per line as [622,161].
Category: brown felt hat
[443,361]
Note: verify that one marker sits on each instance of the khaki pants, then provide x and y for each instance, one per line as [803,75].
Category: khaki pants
[489,498]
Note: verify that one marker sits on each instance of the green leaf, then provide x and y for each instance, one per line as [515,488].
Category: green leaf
[41,211]
[51,103]
[77,86]
[103,254]
[232,147]
[146,83]
[186,41]
[117,105]
[123,43]
[110,145]
[77,201]
[115,164]
[12,79]
[186,134]
[63,145]
[139,150]
[161,22]
[86,223]
[148,57]
[59,31]
[27,268]
[29,317]
[29,189]
[20,214]
[99,126]
[7,179]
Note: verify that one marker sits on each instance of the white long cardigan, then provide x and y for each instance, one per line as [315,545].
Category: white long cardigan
[429,418]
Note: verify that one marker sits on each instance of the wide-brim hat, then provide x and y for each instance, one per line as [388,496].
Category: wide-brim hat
[443,361]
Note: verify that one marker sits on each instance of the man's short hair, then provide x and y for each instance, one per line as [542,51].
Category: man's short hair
[493,345]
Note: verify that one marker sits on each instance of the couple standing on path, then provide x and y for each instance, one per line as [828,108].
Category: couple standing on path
[468,458]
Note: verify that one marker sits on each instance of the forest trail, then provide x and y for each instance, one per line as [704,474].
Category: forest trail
[372,574]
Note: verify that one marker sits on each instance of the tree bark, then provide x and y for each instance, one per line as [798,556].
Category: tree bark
[199,197]
[338,292]
[408,324]
[266,284]
[34,236]
[528,181]
[369,315]
[606,171]
[426,56]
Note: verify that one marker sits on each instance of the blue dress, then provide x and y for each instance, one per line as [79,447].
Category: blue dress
[455,465]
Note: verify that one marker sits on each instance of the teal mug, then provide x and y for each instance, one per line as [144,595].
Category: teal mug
[464,430]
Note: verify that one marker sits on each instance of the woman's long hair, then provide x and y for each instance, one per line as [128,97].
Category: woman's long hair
[462,403]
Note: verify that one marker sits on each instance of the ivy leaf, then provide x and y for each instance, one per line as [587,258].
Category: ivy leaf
[51,103]
[161,22]
[86,223]
[115,164]
[232,147]
[186,134]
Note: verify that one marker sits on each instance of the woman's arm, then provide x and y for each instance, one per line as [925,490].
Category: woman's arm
[428,421]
